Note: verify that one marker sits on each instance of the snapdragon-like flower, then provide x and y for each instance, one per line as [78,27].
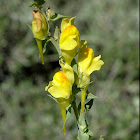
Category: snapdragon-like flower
[69,40]
[61,89]
[39,29]
[87,63]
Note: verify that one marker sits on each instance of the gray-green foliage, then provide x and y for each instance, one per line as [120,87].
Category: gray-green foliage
[111,29]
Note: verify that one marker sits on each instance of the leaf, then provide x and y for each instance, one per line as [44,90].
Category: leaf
[89,104]
[29,26]
[45,45]
[89,100]
[84,132]
[76,90]
[90,95]
[39,2]
[82,136]
[74,65]
[56,33]
[68,112]
[57,16]
[52,97]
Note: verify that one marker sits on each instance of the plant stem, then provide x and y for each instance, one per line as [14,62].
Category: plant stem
[75,110]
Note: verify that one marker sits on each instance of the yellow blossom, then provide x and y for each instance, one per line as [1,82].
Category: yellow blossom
[67,22]
[86,61]
[60,88]
[69,40]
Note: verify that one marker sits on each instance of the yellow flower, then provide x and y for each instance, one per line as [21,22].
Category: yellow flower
[87,63]
[67,22]
[69,40]
[61,89]
[39,29]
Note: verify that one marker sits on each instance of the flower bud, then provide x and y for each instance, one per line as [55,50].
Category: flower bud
[50,12]
[39,26]
[39,29]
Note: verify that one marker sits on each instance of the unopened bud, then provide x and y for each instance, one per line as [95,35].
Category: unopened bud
[39,26]
[50,12]
[39,29]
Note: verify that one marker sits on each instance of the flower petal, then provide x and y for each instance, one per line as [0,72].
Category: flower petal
[67,22]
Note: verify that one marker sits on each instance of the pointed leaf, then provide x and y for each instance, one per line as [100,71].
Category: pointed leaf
[56,33]
[52,97]
[29,26]
[68,112]
[90,95]
[89,104]
[57,16]
[45,45]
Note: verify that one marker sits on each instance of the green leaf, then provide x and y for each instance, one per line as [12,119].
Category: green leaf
[90,95]
[56,45]
[68,112]
[29,26]
[74,65]
[57,16]
[76,90]
[82,136]
[89,104]
[84,132]
[82,122]
[52,97]
[45,45]
[39,2]
[56,33]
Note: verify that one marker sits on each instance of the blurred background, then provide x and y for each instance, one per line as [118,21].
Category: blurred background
[111,29]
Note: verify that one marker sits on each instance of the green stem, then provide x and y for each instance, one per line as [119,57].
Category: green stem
[75,110]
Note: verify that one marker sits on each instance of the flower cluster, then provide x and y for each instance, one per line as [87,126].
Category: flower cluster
[73,78]
[61,85]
